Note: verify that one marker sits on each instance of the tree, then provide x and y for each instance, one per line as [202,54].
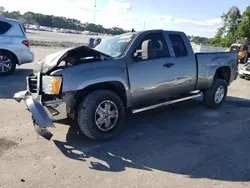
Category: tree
[58,22]
[231,20]
[244,26]
[2,9]
[218,39]
[227,33]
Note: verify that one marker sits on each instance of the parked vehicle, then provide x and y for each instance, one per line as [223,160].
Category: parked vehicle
[14,46]
[244,70]
[138,71]
[97,41]
[241,47]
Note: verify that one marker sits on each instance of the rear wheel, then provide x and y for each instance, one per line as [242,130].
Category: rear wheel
[100,115]
[215,96]
[7,63]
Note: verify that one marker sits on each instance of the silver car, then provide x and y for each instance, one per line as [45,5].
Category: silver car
[14,46]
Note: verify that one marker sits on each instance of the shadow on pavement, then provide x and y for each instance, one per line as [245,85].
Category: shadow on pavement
[9,85]
[185,138]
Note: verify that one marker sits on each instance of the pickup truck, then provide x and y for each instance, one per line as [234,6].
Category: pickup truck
[132,72]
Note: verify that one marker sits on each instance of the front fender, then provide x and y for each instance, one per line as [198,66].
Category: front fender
[75,78]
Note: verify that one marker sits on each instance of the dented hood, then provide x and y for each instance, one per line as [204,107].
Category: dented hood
[51,61]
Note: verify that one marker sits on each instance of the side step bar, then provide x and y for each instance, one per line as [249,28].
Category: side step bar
[191,96]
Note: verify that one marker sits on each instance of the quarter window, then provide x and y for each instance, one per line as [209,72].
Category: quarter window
[180,49]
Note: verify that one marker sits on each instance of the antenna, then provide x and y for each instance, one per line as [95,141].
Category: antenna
[143,26]
[94,11]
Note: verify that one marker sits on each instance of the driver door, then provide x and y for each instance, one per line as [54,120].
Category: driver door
[150,79]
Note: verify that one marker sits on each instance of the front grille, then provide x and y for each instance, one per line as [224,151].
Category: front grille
[32,83]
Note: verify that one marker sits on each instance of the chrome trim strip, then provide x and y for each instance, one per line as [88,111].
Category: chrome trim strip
[165,103]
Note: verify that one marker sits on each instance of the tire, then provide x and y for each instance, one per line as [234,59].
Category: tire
[6,56]
[87,115]
[209,95]
[240,76]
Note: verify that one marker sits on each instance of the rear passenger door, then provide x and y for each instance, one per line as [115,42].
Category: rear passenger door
[184,68]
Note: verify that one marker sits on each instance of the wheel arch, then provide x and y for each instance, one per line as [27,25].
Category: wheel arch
[12,53]
[114,86]
[224,73]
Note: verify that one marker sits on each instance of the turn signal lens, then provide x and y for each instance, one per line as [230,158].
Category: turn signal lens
[52,84]
[56,85]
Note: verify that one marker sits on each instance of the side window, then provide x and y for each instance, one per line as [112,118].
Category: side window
[180,49]
[4,27]
[159,45]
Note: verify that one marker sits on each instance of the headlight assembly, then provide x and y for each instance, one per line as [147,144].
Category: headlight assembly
[52,85]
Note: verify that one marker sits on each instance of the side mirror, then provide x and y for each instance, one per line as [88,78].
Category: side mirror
[146,50]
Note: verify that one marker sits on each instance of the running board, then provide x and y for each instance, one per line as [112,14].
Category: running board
[166,103]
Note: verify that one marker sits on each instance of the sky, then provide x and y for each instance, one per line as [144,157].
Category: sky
[195,17]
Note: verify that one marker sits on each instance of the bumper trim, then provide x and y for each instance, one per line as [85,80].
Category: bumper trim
[45,133]
[39,114]
[40,117]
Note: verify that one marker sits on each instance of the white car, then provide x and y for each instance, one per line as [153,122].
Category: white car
[14,46]
[244,70]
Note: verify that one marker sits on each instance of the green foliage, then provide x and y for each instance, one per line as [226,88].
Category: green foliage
[58,22]
[234,25]
[200,40]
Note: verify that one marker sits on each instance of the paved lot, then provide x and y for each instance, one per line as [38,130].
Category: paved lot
[60,37]
[182,145]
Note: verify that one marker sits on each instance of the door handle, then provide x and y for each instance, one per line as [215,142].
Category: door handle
[168,65]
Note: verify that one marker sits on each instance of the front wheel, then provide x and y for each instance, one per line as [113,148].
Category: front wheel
[100,115]
[215,96]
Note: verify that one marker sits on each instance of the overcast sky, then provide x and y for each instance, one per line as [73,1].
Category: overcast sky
[195,17]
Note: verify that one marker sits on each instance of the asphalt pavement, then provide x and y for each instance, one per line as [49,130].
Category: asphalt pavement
[182,145]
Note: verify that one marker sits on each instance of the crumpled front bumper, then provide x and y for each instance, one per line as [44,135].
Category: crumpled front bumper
[42,115]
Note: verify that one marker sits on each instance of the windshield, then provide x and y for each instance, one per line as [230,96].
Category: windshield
[235,49]
[115,46]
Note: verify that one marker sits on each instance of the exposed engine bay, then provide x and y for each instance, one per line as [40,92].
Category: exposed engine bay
[82,55]
[70,57]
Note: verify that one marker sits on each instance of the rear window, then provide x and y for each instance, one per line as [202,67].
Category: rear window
[4,27]
[180,49]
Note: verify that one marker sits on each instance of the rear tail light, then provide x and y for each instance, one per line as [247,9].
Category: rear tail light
[26,43]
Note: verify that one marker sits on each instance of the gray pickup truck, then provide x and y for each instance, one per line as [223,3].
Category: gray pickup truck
[137,71]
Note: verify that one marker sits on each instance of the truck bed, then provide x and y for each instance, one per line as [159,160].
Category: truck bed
[208,63]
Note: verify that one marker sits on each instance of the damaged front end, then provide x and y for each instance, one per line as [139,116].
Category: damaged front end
[44,94]
[43,109]
[43,100]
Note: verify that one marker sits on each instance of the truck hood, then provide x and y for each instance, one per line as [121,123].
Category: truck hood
[53,60]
